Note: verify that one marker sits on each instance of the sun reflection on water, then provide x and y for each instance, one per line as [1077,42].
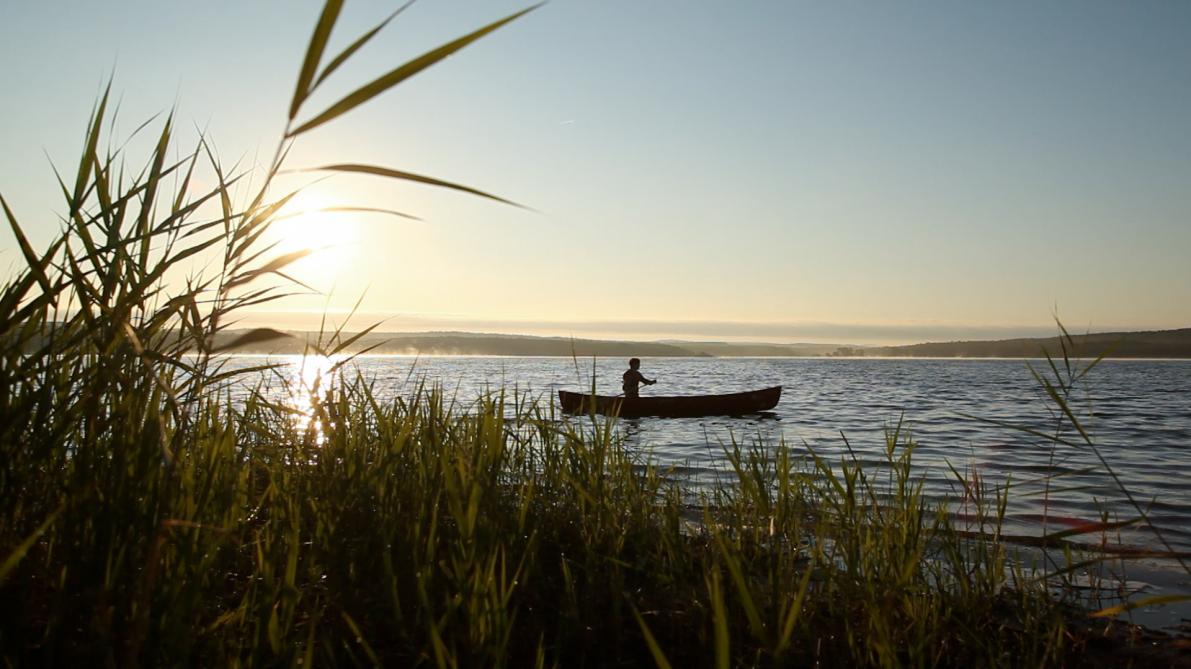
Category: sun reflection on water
[310,380]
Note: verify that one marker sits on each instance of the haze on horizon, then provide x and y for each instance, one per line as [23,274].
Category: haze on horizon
[771,172]
[866,334]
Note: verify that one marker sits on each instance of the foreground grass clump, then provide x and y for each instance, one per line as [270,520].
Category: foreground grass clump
[404,532]
[400,532]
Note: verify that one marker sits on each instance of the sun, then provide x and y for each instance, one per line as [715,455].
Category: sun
[329,237]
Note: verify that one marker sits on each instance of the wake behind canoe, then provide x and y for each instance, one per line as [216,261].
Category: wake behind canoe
[681,406]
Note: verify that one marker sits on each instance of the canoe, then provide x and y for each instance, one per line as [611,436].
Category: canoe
[681,406]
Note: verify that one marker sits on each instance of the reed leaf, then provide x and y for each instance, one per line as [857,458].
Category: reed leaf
[794,611]
[270,267]
[353,339]
[1139,603]
[14,558]
[85,163]
[314,54]
[155,175]
[36,269]
[1091,528]
[409,176]
[719,621]
[254,336]
[396,76]
[655,650]
[751,612]
[347,209]
[355,46]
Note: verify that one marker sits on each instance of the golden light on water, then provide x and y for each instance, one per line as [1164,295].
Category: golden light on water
[309,382]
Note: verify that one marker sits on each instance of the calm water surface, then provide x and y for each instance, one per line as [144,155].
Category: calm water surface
[1138,413]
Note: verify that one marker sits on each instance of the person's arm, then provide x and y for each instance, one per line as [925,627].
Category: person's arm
[640,378]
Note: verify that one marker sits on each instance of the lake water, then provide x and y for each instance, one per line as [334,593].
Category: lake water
[1138,413]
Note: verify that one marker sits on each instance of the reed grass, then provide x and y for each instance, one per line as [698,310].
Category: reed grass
[151,519]
[404,531]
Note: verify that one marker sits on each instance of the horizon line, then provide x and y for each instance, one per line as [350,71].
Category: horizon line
[753,332]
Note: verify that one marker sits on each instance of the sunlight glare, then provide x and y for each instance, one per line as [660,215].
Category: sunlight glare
[329,236]
[309,384]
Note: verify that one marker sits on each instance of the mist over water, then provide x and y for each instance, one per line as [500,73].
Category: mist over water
[1137,412]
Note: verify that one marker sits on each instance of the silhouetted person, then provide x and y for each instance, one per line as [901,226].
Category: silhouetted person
[633,377]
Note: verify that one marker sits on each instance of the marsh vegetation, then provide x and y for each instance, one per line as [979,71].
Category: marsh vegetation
[149,519]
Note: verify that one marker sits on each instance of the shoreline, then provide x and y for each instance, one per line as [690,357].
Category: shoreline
[259,354]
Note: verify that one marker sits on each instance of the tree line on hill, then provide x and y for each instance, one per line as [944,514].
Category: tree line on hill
[1153,344]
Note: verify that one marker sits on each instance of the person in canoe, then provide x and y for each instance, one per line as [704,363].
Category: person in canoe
[633,378]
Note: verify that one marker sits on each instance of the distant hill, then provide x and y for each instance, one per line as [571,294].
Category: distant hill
[754,349]
[1154,344]
[466,343]
[1160,344]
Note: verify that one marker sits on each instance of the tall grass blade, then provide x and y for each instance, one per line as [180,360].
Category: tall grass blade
[719,621]
[355,46]
[794,612]
[655,650]
[1139,603]
[31,260]
[409,176]
[362,210]
[394,77]
[1090,528]
[314,54]
[271,267]
[14,558]
[254,336]
[84,173]
[746,597]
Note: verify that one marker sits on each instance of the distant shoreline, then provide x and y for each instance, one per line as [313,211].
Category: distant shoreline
[258,354]
[1149,345]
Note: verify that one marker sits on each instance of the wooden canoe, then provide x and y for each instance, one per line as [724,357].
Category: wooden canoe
[688,406]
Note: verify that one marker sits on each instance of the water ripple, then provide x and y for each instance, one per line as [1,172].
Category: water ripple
[1139,413]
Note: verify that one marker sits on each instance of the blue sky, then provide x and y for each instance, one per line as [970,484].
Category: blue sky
[766,170]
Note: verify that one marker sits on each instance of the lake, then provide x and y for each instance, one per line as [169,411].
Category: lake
[1138,413]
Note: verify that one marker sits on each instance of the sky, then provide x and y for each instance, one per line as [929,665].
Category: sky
[767,171]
